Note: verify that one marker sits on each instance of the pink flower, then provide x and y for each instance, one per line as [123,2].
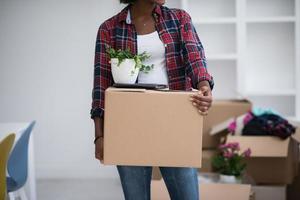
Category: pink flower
[228,154]
[234,146]
[247,153]
[232,126]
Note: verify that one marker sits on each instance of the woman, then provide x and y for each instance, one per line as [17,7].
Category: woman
[169,36]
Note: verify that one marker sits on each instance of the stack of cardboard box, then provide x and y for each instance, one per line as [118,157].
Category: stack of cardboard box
[162,128]
[274,162]
[220,111]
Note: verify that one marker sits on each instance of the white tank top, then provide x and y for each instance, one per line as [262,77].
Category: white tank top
[152,44]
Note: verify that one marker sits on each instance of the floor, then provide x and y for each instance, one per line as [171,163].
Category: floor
[89,189]
[93,189]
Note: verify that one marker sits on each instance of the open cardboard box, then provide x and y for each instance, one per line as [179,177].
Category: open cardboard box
[151,128]
[273,160]
[220,111]
[211,191]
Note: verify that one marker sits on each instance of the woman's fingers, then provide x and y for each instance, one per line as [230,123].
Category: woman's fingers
[201,102]
[201,106]
[202,98]
[99,149]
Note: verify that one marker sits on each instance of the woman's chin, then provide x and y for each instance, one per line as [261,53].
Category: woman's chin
[160,2]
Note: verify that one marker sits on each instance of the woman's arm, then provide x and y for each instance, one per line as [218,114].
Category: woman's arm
[194,55]
[98,121]
[98,138]
[102,72]
[102,80]
[196,67]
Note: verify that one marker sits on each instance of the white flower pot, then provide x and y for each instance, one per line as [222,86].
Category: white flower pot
[125,72]
[230,179]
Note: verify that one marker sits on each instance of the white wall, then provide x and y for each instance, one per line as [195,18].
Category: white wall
[46,69]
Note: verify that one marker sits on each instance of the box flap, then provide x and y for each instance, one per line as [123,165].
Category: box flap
[221,111]
[161,91]
[296,135]
[229,101]
[262,146]
[221,127]
[126,89]
[296,123]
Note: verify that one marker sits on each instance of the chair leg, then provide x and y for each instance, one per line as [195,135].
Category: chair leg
[23,194]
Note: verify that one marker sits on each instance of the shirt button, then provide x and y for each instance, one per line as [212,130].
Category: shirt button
[166,45]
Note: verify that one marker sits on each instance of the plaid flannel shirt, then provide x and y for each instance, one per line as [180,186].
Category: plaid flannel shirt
[184,53]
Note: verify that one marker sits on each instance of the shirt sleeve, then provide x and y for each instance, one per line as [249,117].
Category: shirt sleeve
[102,72]
[193,51]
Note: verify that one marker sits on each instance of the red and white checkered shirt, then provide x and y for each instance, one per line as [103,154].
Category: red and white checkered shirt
[184,53]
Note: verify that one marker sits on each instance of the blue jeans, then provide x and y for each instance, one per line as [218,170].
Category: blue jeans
[181,182]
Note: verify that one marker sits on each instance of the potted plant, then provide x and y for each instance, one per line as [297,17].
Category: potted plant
[229,162]
[126,66]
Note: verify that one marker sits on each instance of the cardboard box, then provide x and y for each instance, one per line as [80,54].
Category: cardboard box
[212,191]
[219,191]
[272,161]
[269,192]
[151,128]
[268,152]
[220,111]
[207,156]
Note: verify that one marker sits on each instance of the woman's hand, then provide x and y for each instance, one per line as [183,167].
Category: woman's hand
[99,138]
[99,149]
[203,99]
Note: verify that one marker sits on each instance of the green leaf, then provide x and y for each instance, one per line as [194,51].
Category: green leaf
[121,55]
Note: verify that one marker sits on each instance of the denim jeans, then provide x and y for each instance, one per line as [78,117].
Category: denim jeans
[181,182]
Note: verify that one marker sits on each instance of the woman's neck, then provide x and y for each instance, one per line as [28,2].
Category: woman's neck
[142,8]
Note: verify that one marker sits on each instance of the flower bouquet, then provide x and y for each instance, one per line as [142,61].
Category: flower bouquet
[229,162]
